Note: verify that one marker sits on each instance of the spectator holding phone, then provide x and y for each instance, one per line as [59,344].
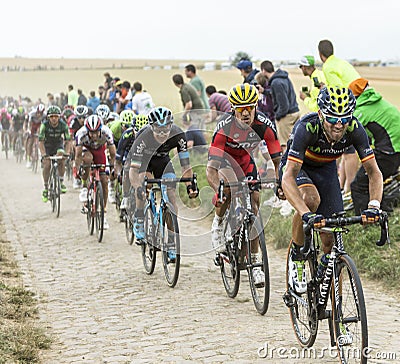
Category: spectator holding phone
[309,96]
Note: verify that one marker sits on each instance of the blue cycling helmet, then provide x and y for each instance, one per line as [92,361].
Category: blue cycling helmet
[161,116]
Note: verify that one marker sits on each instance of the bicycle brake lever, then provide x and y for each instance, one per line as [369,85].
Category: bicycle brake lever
[383,222]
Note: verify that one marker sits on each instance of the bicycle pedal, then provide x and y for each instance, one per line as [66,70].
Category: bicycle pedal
[288,299]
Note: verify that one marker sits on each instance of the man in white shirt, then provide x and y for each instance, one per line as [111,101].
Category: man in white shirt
[142,101]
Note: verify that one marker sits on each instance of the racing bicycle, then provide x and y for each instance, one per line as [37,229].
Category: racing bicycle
[161,228]
[347,317]
[245,248]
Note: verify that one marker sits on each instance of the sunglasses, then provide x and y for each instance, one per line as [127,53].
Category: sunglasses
[161,130]
[240,109]
[334,120]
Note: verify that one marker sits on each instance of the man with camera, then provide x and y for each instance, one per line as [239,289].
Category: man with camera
[309,96]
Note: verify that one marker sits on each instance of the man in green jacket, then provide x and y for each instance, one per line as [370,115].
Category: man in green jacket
[381,120]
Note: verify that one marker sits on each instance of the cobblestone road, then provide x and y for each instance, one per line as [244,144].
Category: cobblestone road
[101,307]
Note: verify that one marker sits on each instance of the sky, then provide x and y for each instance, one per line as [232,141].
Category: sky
[204,30]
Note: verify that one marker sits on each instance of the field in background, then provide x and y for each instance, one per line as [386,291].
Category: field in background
[87,74]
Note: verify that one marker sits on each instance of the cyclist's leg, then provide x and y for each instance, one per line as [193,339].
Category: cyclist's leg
[99,157]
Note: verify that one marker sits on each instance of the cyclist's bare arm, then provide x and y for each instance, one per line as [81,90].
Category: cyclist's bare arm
[78,156]
[290,188]
[375,179]
[212,174]
[112,150]
[42,148]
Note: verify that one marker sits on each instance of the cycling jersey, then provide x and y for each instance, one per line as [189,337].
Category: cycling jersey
[53,137]
[125,144]
[74,126]
[18,121]
[146,149]
[116,128]
[35,120]
[308,144]
[82,138]
[5,121]
[232,140]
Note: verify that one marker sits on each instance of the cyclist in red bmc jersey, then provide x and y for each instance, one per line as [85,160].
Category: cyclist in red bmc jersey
[230,156]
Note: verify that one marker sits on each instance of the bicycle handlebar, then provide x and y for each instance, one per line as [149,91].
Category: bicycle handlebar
[341,221]
[95,166]
[192,179]
[263,183]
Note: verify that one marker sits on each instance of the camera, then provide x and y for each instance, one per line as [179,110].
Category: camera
[316,82]
[304,89]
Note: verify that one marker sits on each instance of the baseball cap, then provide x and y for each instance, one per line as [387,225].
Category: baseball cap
[307,61]
[358,86]
[244,63]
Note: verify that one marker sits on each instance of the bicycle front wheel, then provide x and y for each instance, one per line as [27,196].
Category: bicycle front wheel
[170,246]
[149,242]
[302,307]
[99,215]
[349,314]
[260,289]
[90,214]
[56,194]
[230,270]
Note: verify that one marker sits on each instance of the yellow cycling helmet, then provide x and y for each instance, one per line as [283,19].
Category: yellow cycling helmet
[336,101]
[243,94]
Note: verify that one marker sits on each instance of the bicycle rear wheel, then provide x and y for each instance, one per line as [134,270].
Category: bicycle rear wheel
[302,307]
[260,292]
[90,215]
[149,242]
[99,215]
[230,270]
[55,193]
[349,315]
[170,246]
[6,144]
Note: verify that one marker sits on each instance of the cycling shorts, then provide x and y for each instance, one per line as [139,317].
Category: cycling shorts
[158,166]
[52,149]
[99,154]
[325,179]
[248,172]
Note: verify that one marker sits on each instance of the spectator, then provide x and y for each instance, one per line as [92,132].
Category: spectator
[195,138]
[93,101]
[50,99]
[190,100]
[63,100]
[197,83]
[265,102]
[107,80]
[82,99]
[309,96]
[339,72]
[72,96]
[102,93]
[142,102]
[381,120]
[286,108]
[125,95]
[218,102]
[246,69]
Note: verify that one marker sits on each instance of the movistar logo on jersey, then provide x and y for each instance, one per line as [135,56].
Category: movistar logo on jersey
[315,149]
[313,129]
[353,124]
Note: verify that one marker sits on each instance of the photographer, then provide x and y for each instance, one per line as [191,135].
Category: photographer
[309,96]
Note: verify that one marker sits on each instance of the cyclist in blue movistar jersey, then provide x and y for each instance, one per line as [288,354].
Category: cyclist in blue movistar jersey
[309,173]
[121,158]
